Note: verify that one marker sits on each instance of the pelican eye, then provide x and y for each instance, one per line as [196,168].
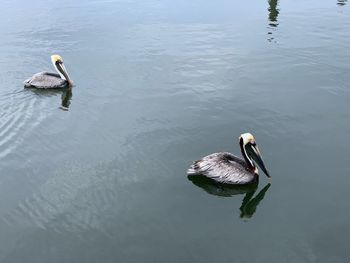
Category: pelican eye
[59,62]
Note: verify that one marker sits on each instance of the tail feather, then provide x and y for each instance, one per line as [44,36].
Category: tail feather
[194,169]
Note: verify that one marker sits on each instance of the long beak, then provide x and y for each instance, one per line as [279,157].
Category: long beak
[255,153]
[62,69]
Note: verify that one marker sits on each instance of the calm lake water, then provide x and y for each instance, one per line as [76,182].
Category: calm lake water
[158,84]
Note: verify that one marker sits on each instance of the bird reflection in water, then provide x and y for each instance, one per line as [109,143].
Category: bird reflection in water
[66,95]
[341,2]
[66,99]
[249,202]
[273,15]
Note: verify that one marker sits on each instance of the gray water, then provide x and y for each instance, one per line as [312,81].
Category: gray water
[158,84]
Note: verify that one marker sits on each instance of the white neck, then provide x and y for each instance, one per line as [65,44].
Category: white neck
[61,75]
[248,158]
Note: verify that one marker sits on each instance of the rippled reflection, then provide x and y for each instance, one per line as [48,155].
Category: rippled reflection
[66,95]
[273,16]
[341,2]
[66,99]
[249,202]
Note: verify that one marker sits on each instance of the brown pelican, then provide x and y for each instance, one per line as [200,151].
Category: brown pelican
[47,80]
[226,168]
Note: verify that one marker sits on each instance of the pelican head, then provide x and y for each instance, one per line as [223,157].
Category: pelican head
[250,152]
[57,62]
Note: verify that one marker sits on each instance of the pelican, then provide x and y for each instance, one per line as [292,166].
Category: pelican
[226,168]
[47,80]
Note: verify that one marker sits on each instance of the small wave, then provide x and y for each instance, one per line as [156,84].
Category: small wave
[22,112]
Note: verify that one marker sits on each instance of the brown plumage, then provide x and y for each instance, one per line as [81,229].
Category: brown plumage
[226,168]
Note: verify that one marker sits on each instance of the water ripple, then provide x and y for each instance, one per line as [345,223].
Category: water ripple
[22,112]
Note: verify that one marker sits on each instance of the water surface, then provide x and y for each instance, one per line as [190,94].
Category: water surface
[99,175]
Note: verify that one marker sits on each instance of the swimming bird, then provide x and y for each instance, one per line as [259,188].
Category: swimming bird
[226,168]
[47,80]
